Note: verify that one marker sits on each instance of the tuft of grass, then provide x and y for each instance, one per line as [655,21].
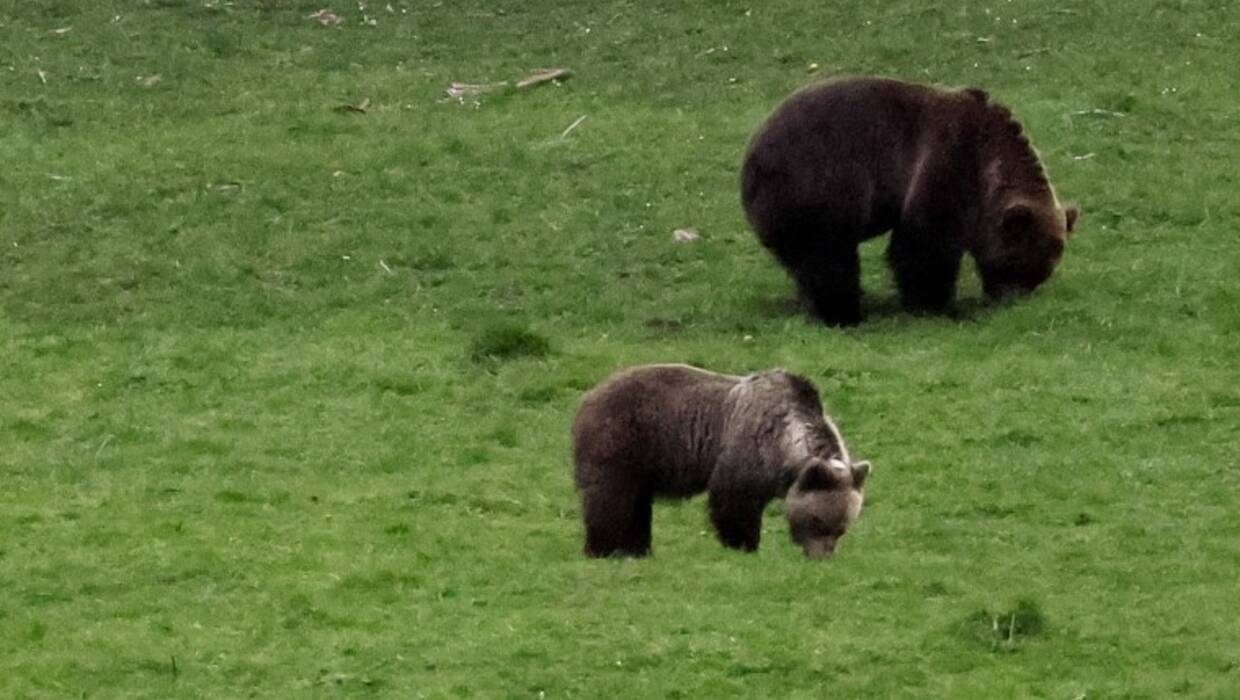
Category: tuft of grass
[504,341]
[1004,630]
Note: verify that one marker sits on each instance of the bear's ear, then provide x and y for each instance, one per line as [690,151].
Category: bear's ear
[860,470]
[1070,215]
[818,476]
[978,94]
[1018,219]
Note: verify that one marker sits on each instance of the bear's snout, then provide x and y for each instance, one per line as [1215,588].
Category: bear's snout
[819,547]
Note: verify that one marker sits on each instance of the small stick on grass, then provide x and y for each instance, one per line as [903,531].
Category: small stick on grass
[572,126]
[545,75]
[103,444]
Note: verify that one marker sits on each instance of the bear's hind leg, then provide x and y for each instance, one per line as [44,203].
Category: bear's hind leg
[828,276]
[817,245]
[737,518]
[643,515]
[617,519]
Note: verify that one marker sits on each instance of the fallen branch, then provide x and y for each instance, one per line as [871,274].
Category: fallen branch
[544,75]
[539,77]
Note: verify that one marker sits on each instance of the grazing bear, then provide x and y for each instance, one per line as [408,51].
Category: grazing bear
[675,431]
[946,171]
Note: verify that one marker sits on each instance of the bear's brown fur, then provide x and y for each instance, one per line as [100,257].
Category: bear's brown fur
[674,431]
[947,171]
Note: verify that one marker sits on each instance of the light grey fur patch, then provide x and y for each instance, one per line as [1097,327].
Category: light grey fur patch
[914,180]
[855,500]
[1045,176]
[796,438]
[681,365]
[839,439]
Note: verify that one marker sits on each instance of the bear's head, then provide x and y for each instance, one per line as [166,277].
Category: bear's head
[823,502]
[1024,246]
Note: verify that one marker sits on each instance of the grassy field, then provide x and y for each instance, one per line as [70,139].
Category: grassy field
[290,342]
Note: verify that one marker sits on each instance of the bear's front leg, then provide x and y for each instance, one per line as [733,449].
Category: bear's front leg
[926,265]
[737,517]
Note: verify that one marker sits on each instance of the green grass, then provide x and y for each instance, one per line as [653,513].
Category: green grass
[285,389]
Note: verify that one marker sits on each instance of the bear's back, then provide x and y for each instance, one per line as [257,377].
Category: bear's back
[653,417]
[847,119]
[850,146]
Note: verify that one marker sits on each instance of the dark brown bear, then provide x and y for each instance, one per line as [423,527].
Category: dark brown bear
[947,171]
[674,431]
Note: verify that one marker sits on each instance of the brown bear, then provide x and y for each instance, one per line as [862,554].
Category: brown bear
[674,431]
[946,171]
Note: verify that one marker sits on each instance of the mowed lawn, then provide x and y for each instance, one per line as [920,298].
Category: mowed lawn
[290,341]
